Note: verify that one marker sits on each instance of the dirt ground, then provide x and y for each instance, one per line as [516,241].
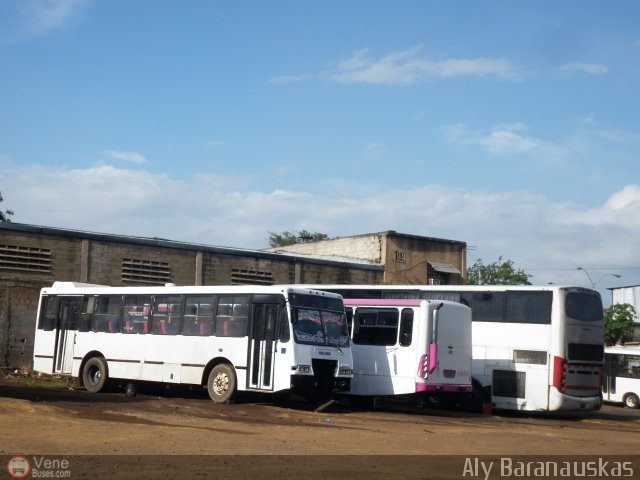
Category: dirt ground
[265,435]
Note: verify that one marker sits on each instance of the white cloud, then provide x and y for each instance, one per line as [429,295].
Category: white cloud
[130,157]
[588,68]
[288,79]
[409,67]
[405,68]
[507,141]
[504,140]
[25,19]
[546,239]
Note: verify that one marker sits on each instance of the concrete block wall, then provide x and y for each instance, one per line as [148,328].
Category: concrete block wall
[366,248]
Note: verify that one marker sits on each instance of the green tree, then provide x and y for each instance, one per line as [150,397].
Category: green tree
[618,323]
[500,272]
[291,238]
[5,216]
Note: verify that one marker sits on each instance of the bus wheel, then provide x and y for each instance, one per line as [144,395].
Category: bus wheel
[474,401]
[364,402]
[94,374]
[221,384]
[631,400]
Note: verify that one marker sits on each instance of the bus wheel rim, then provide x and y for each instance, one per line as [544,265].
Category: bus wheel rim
[220,384]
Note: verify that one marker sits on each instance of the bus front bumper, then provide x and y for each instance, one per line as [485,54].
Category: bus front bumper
[302,383]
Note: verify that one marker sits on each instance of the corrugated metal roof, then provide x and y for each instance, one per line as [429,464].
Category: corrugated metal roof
[444,267]
[179,245]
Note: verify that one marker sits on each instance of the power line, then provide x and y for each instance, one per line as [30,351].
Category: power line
[575,268]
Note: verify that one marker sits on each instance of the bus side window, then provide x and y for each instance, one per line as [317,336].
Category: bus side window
[375,326]
[48,313]
[136,313]
[198,316]
[107,313]
[232,316]
[86,313]
[239,320]
[349,312]
[283,326]
[406,327]
[487,307]
[166,315]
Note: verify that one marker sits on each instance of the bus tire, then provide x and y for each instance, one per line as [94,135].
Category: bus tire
[221,384]
[364,402]
[95,374]
[631,400]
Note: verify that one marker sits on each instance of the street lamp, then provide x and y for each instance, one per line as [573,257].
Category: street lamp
[593,284]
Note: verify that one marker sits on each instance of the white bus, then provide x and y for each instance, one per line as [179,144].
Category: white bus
[227,338]
[417,348]
[621,379]
[535,348]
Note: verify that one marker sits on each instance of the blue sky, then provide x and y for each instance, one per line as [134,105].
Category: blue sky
[513,126]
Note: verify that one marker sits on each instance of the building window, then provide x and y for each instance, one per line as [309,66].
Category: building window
[25,259]
[250,277]
[401,257]
[145,272]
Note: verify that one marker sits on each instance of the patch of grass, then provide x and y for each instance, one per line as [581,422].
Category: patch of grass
[32,379]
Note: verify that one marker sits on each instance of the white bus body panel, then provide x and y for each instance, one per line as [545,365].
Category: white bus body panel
[617,385]
[454,340]
[492,351]
[382,370]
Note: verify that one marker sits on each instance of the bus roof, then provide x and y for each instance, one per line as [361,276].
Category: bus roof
[88,288]
[345,288]
[376,302]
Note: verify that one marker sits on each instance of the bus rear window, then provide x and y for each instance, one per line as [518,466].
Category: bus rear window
[584,306]
[585,352]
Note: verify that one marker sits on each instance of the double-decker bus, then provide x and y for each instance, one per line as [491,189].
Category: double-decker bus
[227,338]
[419,349]
[621,379]
[535,348]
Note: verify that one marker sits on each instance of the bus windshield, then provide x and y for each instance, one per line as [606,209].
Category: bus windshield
[320,327]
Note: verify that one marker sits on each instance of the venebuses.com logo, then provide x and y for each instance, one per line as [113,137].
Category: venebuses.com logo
[18,467]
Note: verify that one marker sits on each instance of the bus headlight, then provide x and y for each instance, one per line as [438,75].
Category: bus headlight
[303,368]
[345,371]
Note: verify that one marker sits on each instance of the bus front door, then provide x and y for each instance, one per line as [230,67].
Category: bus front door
[65,333]
[262,344]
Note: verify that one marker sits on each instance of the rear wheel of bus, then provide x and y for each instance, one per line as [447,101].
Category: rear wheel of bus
[221,383]
[631,400]
[95,374]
